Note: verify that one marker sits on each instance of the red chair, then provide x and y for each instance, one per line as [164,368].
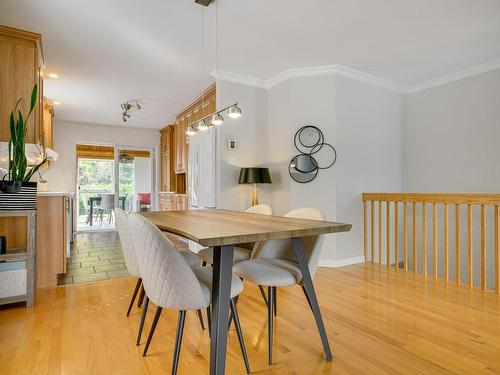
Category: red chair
[144,201]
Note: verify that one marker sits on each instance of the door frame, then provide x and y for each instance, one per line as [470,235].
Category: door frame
[152,156]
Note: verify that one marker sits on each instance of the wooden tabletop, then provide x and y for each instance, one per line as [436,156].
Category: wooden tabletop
[224,227]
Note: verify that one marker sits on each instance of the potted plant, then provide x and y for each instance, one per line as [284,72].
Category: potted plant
[18,192]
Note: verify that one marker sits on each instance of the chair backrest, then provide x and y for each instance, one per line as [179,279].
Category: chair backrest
[128,247]
[144,198]
[283,249]
[168,280]
[263,209]
[107,201]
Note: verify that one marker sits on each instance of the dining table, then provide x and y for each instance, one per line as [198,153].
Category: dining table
[222,230]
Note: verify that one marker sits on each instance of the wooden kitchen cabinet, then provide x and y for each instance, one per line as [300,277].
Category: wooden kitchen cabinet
[51,239]
[167,150]
[181,145]
[21,61]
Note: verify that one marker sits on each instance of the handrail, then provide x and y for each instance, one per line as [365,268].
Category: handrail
[418,203]
[450,198]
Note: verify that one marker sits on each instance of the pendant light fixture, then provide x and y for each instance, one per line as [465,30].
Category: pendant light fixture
[216,118]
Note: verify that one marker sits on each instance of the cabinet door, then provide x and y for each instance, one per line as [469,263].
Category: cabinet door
[18,74]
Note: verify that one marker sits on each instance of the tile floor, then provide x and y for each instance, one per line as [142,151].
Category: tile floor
[94,256]
[98,256]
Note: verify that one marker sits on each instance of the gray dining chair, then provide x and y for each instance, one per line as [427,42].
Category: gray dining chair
[241,251]
[275,265]
[107,205]
[170,283]
[129,253]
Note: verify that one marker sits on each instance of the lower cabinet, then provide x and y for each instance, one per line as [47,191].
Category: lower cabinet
[173,202]
[51,241]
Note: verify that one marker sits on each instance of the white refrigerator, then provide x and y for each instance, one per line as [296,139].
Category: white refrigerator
[202,169]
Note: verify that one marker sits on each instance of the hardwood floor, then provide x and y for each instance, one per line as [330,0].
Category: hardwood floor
[378,322]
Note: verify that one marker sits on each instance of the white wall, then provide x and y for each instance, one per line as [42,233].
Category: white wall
[451,137]
[62,173]
[249,133]
[361,121]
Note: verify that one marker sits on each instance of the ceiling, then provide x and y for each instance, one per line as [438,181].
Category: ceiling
[107,52]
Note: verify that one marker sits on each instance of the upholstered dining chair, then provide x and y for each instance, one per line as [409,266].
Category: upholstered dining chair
[275,265]
[242,251]
[129,253]
[171,283]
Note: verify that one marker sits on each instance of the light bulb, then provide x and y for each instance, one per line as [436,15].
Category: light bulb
[234,111]
[190,130]
[217,119]
[202,125]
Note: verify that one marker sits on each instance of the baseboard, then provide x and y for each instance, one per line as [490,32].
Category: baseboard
[341,262]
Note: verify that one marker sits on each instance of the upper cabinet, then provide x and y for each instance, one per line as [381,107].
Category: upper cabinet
[21,63]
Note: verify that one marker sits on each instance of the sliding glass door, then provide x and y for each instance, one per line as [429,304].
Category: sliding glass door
[134,178]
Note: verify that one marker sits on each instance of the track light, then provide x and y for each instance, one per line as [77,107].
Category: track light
[234,111]
[202,125]
[190,130]
[217,119]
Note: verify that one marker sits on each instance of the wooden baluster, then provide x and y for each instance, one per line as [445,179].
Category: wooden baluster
[379,233]
[457,243]
[434,241]
[396,235]
[415,250]
[388,232]
[424,240]
[470,265]
[445,242]
[497,254]
[483,248]
[365,233]
[372,230]
[405,236]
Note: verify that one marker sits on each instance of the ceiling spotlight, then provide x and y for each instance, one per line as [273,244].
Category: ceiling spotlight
[190,130]
[217,119]
[202,125]
[53,75]
[234,111]
[55,102]
[138,106]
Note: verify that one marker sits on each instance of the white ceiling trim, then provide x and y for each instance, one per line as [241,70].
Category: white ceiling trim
[448,78]
[357,75]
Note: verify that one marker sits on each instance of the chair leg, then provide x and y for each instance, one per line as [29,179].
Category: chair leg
[275,301]
[200,318]
[143,318]
[234,312]
[231,314]
[178,340]
[137,286]
[152,330]
[209,322]
[141,297]
[261,288]
[270,293]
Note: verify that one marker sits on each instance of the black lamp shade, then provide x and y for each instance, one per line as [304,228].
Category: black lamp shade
[254,176]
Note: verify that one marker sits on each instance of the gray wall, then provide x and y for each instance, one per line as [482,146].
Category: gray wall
[451,143]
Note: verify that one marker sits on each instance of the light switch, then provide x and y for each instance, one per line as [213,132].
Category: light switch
[231,160]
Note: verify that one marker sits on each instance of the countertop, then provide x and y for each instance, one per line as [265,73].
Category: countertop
[55,193]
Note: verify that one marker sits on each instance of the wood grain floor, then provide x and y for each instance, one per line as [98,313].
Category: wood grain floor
[378,322]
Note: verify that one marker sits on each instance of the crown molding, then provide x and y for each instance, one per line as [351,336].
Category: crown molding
[357,75]
[225,75]
[448,78]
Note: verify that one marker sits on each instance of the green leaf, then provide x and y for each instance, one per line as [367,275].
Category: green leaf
[33,170]
[34,97]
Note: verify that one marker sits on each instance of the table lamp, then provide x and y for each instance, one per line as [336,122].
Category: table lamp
[254,176]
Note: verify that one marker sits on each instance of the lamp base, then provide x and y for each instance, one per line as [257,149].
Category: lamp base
[255,200]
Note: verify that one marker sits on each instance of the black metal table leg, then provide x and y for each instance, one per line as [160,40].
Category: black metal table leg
[91,212]
[311,294]
[221,294]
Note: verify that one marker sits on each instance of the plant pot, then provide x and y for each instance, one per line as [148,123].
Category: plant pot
[24,199]
[11,187]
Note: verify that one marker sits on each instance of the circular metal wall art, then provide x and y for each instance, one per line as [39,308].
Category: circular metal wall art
[315,154]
